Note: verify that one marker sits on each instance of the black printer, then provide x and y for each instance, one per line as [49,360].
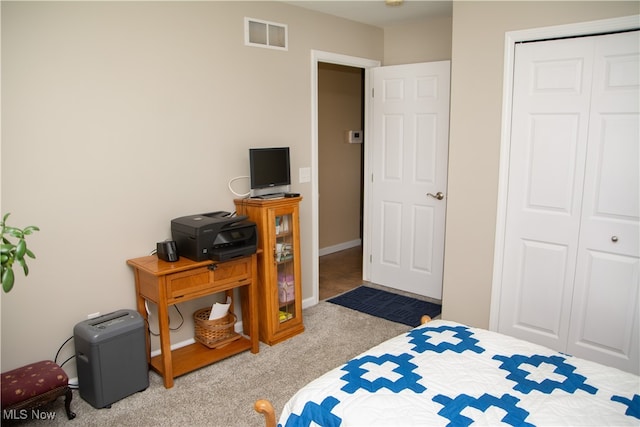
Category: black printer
[214,235]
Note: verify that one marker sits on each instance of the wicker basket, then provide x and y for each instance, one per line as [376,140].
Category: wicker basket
[214,333]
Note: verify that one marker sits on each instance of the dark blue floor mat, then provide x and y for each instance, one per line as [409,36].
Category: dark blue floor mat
[387,305]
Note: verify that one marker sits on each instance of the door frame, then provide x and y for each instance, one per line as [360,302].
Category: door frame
[318,56]
[511,39]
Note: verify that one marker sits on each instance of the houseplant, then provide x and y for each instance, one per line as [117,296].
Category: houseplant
[11,252]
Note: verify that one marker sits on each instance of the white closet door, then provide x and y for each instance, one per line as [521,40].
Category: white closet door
[604,320]
[552,89]
[571,276]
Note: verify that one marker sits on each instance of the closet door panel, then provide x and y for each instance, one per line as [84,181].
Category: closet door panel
[552,90]
[540,288]
[604,327]
[605,312]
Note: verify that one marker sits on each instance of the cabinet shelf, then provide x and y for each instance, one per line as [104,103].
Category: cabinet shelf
[195,356]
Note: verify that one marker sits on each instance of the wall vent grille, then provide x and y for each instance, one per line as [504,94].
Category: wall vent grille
[259,33]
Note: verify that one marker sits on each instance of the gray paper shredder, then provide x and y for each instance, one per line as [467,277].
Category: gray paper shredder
[111,356]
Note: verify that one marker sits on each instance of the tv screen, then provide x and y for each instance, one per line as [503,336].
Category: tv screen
[269,167]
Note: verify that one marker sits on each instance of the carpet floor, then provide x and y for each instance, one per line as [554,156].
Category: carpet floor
[223,394]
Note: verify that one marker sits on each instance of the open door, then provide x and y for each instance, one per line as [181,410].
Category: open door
[408,180]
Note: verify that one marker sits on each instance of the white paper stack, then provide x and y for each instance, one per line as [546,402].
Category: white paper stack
[220,310]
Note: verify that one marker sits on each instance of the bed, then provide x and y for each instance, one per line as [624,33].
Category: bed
[444,373]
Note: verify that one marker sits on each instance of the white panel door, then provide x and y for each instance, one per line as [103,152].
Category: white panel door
[546,172]
[570,272]
[604,319]
[409,161]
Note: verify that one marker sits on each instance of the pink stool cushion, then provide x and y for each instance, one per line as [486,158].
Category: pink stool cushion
[31,380]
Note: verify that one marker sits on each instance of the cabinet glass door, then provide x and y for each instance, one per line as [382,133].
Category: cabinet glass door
[284,260]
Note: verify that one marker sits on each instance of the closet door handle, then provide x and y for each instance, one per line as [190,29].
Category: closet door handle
[614,239]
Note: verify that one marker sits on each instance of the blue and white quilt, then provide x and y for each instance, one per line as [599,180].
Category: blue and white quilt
[447,374]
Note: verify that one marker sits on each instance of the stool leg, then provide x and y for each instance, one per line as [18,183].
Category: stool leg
[67,404]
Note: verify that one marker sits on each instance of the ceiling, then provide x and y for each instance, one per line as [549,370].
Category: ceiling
[376,12]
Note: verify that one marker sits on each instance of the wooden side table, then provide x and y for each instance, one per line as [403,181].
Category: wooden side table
[167,283]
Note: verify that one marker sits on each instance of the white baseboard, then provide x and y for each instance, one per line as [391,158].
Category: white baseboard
[309,302]
[340,247]
[175,346]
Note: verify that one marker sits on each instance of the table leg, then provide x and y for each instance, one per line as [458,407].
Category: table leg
[252,291]
[165,345]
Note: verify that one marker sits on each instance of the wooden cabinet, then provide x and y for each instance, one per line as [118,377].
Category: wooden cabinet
[167,283]
[279,288]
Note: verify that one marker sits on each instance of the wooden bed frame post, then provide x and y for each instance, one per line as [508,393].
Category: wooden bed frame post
[266,408]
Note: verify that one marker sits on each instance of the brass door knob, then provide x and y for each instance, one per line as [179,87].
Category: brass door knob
[439,195]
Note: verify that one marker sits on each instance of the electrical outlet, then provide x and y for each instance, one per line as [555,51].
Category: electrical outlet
[93,315]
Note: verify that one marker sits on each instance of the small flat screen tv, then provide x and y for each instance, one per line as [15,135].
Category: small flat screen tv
[269,167]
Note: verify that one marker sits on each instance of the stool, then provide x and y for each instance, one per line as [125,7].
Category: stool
[34,385]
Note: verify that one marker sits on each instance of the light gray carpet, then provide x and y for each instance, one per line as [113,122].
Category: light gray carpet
[223,394]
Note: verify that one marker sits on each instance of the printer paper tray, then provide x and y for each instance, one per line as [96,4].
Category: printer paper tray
[225,254]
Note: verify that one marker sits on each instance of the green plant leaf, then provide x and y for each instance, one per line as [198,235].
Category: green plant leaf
[15,232]
[30,229]
[21,248]
[24,265]
[7,279]
[11,252]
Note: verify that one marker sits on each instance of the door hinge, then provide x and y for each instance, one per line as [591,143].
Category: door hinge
[370,258]
[373,92]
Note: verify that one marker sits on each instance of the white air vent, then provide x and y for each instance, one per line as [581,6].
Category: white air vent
[265,34]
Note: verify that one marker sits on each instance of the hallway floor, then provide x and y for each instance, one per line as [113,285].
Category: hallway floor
[340,272]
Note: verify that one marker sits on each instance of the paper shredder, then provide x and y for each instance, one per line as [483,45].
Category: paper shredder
[111,356]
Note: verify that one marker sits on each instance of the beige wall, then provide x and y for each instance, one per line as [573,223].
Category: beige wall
[340,164]
[118,117]
[476,102]
[421,41]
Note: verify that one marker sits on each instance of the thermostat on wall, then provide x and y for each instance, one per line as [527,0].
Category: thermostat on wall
[353,137]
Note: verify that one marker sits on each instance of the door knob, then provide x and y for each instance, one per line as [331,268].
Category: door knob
[614,239]
[439,195]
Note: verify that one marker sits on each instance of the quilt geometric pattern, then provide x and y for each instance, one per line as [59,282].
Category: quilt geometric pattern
[421,340]
[406,380]
[633,405]
[456,375]
[317,414]
[565,379]
[453,408]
